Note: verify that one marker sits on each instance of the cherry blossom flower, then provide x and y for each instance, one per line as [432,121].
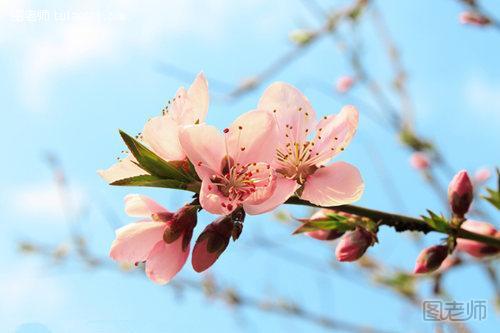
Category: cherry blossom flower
[419,161]
[477,249]
[344,84]
[234,166]
[160,134]
[300,159]
[162,239]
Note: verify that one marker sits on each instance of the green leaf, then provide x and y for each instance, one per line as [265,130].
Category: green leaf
[494,196]
[437,222]
[331,222]
[151,162]
[152,181]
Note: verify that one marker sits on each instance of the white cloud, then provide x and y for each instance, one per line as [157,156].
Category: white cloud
[43,200]
[483,95]
[50,40]
[24,287]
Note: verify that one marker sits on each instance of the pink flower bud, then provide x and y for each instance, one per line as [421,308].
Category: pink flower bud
[419,161]
[460,193]
[181,224]
[478,249]
[448,263]
[323,234]
[482,175]
[430,259]
[211,243]
[354,244]
[344,84]
[473,18]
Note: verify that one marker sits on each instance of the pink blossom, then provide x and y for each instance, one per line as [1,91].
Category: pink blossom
[430,259]
[146,241]
[460,193]
[473,18]
[354,244]
[323,234]
[482,175]
[344,83]
[160,134]
[300,160]
[419,161]
[234,166]
[477,249]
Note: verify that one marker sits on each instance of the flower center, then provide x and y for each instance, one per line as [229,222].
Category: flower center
[297,160]
[237,182]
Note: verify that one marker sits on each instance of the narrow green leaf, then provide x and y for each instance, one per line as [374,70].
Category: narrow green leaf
[333,222]
[151,181]
[437,222]
[494,196]
[151,162]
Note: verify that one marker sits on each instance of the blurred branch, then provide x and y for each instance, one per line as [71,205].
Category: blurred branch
[209,288]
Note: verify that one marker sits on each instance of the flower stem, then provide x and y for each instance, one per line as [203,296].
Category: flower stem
[400,222]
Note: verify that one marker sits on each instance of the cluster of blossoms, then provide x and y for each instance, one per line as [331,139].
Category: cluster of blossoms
[264,157]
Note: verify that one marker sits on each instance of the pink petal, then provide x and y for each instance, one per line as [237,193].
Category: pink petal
[135,241]
[201,258]
[165,261]
[213,201]
[284,189]
[161,135]
[252,137]
[337,184]
[198,94]
[125,168]
[204,146]
[137,205]
[290,107]
[334,133]
[190,107]
[264,180]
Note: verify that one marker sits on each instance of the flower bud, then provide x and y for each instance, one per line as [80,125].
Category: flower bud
[482,175]
[354,244]
[430,259]
[460,193]
[473,18]
[419,161]
[180,224]
[302,37]
[211,243]
[478,249]
[344,83]
[323,234]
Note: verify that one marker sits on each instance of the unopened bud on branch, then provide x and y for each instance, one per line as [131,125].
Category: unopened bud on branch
[213,241]
[354,244]
[460,193]
[430,259]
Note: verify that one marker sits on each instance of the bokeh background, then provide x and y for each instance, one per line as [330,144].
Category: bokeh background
[71,78]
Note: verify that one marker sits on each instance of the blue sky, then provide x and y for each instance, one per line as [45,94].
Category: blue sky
[68,84]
